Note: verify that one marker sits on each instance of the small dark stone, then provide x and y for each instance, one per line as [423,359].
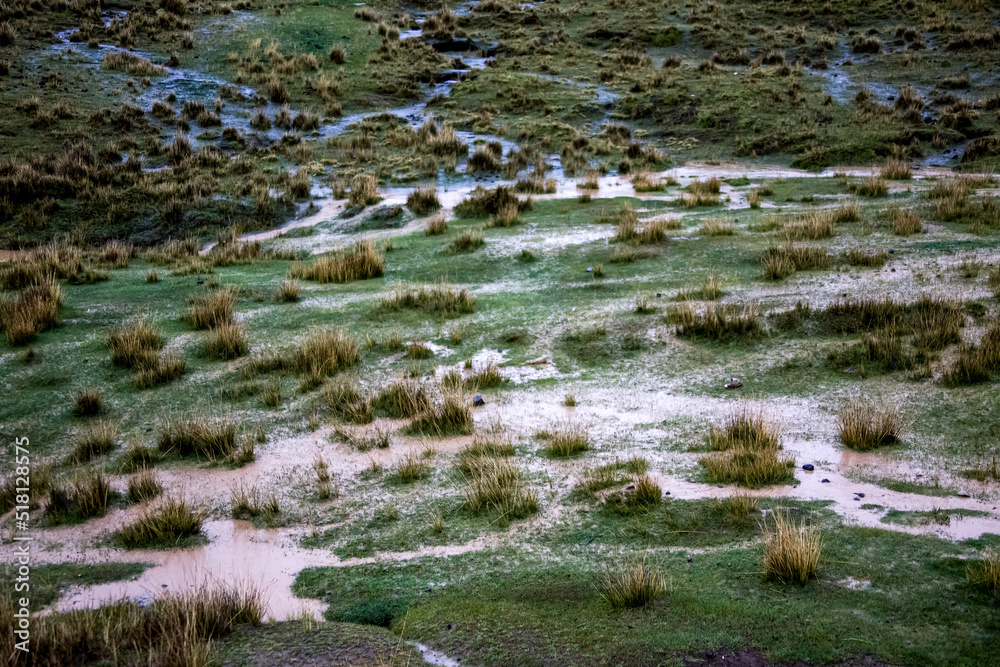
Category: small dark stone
[824,481]
[808,466]
[478,401]
[449,626]
[690,559]
[201,282]
[859,495]
[709,653]
[891,251]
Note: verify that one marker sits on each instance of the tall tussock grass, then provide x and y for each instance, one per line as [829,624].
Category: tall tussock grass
[55,261]
[496,487]
[133,344]
[95,439]
[162,526]
[324,352]
[632,584]
[449,414]
[137,346]
[196,435]
[984,574]
[439,299]
[865,425]
[782,261]
[211,310]
[423,200]
[717,322]
[791,551]
[565,438]
[403,398]
[86,496]
[174,630]
[362,261]
[28,313]
[746,450]
[143,486]
[226,341]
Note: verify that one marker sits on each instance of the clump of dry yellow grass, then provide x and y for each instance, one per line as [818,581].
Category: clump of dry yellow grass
[985,574]
[791,551]
[632,584]
[864,425]
[362,261]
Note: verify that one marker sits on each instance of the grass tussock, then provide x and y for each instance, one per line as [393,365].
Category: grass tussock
[324,352]
[779,262]
[288,291]
[873,186]
[746,450]
[816,225]
[175,629]
[440,299]
[163,526]
[711,186]
[211,310]
[849,211]
[88,402]
[200,436]
[450,414]
[85,497]
[467,240]
[496,487]
[143,487]
[227,341]
[411,468]
[403,398]
[348,402]
[896,170]
[791,551]
[423,200]
[864,425]
[713,227]
[566,438]
[632,584]
[975,363]
[95,439]
[984,574]
[25,314]
[135,345]
[717,322]
[867,257]
[362,261]
[249,502]
[436,226]
[904,221]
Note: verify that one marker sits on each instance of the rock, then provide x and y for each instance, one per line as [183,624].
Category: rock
[824,481]
[590,269]
[539,360]
[709,653]
[808,467]
[963,494]
[477,401]
[859,495]
[734,383]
